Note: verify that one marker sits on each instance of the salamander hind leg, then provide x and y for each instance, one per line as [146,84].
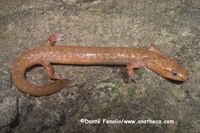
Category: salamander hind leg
[50,71]
[53,87]
[54,38]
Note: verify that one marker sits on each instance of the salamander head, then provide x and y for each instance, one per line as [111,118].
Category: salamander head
[168,68]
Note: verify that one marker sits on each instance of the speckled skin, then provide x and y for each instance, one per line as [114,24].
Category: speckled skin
[152,58]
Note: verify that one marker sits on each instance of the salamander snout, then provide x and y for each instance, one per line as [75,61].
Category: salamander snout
[169,69]
[179,74]
[176,71]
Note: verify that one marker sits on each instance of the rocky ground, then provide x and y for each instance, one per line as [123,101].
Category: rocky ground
[99,92]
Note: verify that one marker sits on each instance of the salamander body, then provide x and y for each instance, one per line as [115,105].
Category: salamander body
[132,58]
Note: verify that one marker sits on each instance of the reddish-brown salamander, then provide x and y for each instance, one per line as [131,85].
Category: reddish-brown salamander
[152,58]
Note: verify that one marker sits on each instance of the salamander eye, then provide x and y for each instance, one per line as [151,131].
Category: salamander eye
[174,73]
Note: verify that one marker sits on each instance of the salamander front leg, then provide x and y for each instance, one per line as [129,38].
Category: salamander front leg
[131,73]
[133,65]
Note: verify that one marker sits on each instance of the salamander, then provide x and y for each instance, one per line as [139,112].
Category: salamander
[132,58]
